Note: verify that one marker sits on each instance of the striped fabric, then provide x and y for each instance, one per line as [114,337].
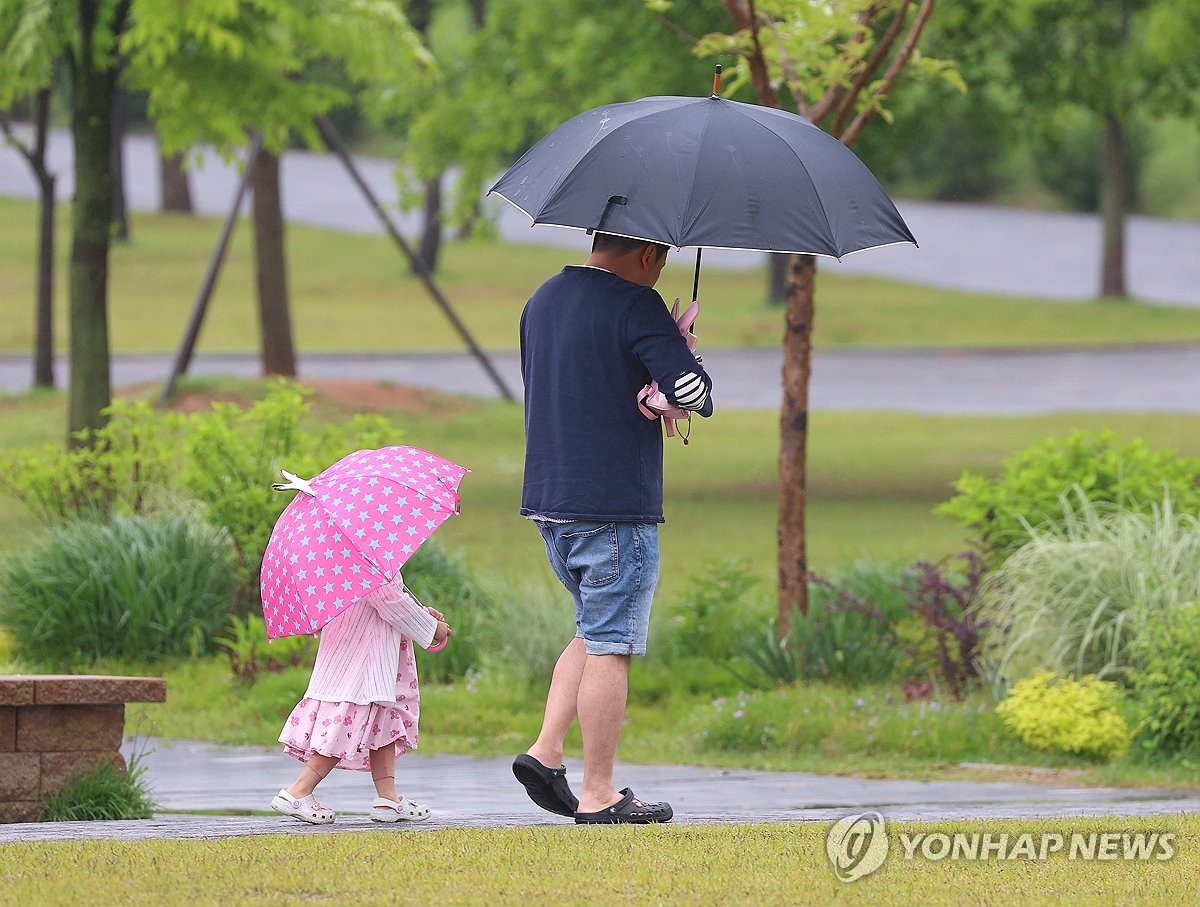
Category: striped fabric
[690,390]
[359,653]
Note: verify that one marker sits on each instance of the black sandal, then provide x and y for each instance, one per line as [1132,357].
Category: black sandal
[628,810]
[547,787]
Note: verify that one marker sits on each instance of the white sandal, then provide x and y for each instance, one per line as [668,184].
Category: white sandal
[306,809]
[384,810]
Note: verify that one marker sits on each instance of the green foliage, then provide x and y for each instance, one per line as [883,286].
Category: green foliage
[234,453]
[1112,474]
[223,459]
[1058,714]
[1167,687]
[711,616]
[134,587]
[214,70]
[525,631]
[1067,154]
[444,581]
[1075,596]
[531,65]
[848,635]
[104,794]
[251,653]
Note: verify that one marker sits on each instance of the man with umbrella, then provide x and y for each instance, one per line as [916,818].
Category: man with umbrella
[592,336]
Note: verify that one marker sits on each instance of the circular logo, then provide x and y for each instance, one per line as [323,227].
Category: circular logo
[857,846]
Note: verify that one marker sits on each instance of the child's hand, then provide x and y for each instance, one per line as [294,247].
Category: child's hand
[435,612]
[442,632]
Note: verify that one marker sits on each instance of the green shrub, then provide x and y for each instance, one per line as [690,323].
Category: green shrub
[526,630]
[847,636]
[1167,686]
[716,610]
[224,458]
[106,793]
[1075,597]
[444,581]
[251,653]
[135,587]
[1111,474]
[1058,714]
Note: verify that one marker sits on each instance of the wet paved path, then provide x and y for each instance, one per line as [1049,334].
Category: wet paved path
[469,792]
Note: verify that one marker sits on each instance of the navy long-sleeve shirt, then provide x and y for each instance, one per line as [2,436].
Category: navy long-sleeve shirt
[590,340]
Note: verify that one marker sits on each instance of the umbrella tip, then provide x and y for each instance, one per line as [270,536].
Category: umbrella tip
[716,92]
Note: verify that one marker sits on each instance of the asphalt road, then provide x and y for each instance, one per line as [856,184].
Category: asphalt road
[1163,379]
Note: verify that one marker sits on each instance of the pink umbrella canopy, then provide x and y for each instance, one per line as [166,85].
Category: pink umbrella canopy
[350,530]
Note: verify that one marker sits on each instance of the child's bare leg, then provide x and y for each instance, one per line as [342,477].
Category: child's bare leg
[383,772]
[313,773]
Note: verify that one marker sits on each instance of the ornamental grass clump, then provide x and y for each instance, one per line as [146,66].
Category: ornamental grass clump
[1076,596]
[137,587]
[1057,714]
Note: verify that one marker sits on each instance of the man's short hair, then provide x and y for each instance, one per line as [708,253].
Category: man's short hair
[623,245]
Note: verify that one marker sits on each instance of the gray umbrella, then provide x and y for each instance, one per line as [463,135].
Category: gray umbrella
[704,172]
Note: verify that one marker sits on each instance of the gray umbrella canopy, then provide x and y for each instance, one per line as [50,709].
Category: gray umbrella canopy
[704,172]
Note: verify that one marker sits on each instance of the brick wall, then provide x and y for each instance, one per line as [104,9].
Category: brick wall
[54,727]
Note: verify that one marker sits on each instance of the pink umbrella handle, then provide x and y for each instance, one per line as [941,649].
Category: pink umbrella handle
[441,645]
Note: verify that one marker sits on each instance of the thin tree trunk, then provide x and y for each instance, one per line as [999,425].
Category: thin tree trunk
[431,229]
[278,352]
[175,192]
[43,341]
[793,433]
[120,122]
[1113,195]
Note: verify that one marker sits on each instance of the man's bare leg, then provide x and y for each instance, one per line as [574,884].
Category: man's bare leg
[561,705]
[603,692]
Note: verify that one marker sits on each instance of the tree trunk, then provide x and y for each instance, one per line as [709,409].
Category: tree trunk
[278,352]
[777,277]
[1113,195]
[431,228]
[793,443]
[92,96]
[175,193]
[43,341]
[120,122]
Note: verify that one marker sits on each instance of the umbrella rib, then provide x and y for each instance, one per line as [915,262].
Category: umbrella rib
[812,182]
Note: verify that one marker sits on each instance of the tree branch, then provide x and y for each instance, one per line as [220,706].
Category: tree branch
[746,19]
[898,61]
[878,55]
[785,63]
[15,141]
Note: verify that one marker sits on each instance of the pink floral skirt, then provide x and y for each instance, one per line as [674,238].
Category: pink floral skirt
[349,731]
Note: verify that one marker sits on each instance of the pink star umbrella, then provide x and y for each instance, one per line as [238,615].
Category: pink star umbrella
[350,530]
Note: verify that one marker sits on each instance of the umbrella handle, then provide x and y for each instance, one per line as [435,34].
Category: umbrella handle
[294,483]
[441,645]
[696,279]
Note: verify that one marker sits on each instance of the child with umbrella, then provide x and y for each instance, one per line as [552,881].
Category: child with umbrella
[334,562]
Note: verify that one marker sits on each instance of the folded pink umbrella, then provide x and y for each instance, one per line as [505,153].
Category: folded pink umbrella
[350,530]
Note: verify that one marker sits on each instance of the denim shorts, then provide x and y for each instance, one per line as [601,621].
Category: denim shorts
[611,571]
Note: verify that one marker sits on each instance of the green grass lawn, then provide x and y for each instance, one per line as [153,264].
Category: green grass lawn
[671,864]
[355,292]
